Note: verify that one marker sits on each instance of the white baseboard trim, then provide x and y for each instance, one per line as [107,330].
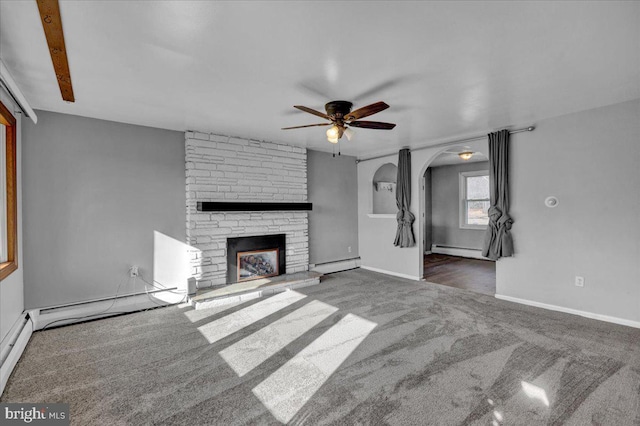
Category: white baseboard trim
[585,314]
[458,251]
[395,274]
[65,315]
[337,266]
[13,346]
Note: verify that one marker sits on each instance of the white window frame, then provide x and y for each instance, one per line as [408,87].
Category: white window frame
[463,198]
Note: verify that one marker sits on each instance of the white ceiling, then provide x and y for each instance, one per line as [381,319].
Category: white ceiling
[448,69]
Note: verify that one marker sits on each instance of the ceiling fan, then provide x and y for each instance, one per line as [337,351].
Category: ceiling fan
[340,116]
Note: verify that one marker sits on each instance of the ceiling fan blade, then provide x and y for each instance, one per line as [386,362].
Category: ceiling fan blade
[312,111]
[308,125]
[366,111]
[372,125]
[384,86]
[373,91]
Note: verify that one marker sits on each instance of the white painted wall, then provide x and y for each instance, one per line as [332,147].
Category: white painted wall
[591,162]
[12,287]
[376,234]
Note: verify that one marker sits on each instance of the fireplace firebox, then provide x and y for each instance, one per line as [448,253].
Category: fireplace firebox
[254,257]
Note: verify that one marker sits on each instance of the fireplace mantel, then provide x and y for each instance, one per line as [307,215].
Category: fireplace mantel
[233,206]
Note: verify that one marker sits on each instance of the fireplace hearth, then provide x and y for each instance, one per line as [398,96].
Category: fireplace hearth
[255,257]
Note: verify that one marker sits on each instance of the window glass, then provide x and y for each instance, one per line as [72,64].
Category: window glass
[3,195]
[478,187]
[8,194]
[478,212]
[475,199]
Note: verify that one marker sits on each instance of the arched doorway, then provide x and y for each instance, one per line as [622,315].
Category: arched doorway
[454,201]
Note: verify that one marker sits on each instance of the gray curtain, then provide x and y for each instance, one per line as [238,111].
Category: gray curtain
[497,240]
[404,236]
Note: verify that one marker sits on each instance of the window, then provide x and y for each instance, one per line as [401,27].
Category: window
[474,199]
[3,194]
[8,194]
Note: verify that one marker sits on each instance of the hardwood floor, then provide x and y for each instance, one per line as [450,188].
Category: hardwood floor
[471,274]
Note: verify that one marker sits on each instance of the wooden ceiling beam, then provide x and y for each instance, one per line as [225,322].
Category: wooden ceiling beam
[52,25]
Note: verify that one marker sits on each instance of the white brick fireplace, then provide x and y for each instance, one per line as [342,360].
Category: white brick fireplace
[222,168]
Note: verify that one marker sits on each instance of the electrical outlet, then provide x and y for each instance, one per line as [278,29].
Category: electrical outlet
[133,271]
[579,281]
[349,249]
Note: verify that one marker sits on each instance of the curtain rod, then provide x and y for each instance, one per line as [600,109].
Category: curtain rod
[9,84]
[457,142]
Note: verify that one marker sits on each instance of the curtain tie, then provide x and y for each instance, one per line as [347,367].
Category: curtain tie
[505,221]
[405,216]
[494,214]
[500,219]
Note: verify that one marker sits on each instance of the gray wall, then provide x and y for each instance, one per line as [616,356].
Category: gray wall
[94,193]
[445,210]
[589,160]
[332,185]
[11,288]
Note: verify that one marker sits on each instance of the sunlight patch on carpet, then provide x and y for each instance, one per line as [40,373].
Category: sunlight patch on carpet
[195,315]
[253,350]
[226,326]
[535,392]
[286,391]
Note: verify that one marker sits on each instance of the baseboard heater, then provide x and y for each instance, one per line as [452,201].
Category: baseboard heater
[472,253]
[335,266]
[13,346]
[75,312]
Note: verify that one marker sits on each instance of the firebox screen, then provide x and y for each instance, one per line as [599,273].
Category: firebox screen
[257,264]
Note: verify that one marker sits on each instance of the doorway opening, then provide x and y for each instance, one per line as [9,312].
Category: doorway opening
[456,200]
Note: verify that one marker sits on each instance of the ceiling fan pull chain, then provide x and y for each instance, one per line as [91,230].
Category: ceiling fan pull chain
[334,151]
[338,147]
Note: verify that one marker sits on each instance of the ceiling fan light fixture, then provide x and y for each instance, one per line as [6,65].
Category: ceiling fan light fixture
[333,132]
[466,155]
[348,133]
[333,140]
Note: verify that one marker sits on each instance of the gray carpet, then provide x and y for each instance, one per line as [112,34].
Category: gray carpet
[405,352]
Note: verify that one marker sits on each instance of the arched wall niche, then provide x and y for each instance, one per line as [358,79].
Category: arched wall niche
[384,189]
